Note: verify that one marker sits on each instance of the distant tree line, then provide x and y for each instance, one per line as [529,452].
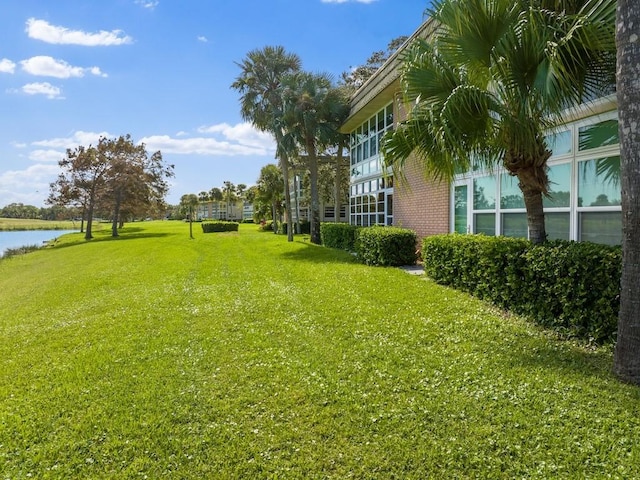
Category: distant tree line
[116,179]
[55,212]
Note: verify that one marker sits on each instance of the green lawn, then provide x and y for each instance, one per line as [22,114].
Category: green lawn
[244,356]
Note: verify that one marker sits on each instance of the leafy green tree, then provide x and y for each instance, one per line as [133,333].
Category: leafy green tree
[497,75]
[627,353]
[270,189]
[260,85]
[357,76]
[314,109]
[188,205]
[229,194]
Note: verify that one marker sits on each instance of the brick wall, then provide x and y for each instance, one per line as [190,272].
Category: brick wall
[419,204]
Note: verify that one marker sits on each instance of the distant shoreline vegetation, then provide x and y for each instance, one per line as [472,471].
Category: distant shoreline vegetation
[20,224]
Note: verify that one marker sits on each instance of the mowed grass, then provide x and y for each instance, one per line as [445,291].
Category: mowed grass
[244,356]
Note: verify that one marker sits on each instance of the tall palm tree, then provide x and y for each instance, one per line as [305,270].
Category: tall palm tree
[188,205]
[259,85]
[216,196]
[270,191]
[229,192]
[627,356]
[496,76]
[313,111]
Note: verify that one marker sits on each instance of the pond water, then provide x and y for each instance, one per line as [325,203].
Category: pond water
[16,239]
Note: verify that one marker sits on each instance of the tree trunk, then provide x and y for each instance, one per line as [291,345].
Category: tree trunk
[88,235]
[337,183]
[314,214]
[535,212]
[284,166]
[116,216]
[627,352]
[190,222]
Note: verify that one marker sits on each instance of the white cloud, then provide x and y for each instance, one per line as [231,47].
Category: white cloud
[29,185]
[203,39]
[43,30]
[238,140]
[150,4]
[46,156]
[42,88]
[46,66]
[7,66]
[241,133]
[78,138]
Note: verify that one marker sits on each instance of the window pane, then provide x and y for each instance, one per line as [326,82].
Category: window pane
[373,146]
[557,225]
[601,227]
[390,204]
[515,225]
[460,209]
[381,120]
[599,182]
[510,193]
[559,186]
[389,116]
[559,143]
[485,223]
[365,150]
[598,135]
[484,193]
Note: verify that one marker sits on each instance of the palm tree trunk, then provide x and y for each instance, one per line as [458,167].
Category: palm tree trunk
[284,166]
[627,353]
[535,212]
[337,182]
[314,214]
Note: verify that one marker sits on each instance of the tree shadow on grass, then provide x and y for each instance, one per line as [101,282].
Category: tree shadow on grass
[312,253]
[136,234]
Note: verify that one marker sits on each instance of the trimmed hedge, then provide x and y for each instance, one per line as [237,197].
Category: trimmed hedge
[386,246]
[219,226]
[572,287]
[338,235]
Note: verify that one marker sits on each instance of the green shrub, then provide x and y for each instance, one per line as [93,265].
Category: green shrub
[219,226]
[569,286]
[386,246]
[338,235]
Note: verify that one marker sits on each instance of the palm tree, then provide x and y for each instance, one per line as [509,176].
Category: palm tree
[229,192]
[188,204]
[496,76]
[261,103]
[313,112]
[270,191]
[627,359]
[216,196]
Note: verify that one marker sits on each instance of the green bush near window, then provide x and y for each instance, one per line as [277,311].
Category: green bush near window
[572,287]
[386,246]
[339,235]
[219,226]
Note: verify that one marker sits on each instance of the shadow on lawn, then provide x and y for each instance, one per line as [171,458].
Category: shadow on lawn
[312,253]
[102,236]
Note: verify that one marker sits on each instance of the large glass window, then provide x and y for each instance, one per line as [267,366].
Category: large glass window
[560,143]
[515,225]
[557,225]
[559,186]
[599,182]
[484,193]
[601,227]
[510,193]
[460,209]
[485,223]
[598,135]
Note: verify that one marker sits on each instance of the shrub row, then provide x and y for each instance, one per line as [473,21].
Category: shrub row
[386,246]
[572,287]
[339,235]
[219,226]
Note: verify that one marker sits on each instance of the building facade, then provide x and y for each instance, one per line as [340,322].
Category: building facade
[584,170]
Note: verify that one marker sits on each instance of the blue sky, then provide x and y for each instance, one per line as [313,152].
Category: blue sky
[72,70]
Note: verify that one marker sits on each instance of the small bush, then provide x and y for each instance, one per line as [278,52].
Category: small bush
[338,235]
[572,287]
[220,226]
[386,246]
[305,227]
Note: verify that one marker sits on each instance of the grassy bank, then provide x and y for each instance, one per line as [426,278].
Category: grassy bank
[11,224]
[243,356]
